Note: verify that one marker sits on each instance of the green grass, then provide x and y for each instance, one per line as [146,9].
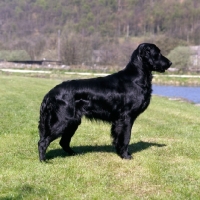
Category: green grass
[165,144]
[177,81]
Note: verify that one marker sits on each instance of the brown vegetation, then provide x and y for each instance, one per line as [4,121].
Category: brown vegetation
[96,32]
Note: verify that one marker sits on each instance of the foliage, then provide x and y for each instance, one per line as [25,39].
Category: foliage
[14,55]
[165,148]
[32,25]
[181,57]
[166,43]
[92,50]
[76,49]
[109,17]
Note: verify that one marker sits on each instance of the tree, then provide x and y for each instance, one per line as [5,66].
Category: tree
[76,49]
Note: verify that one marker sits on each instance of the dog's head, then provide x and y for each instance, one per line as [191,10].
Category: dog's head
[152,58]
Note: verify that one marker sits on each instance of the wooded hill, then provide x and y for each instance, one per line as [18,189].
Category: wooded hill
[32,26]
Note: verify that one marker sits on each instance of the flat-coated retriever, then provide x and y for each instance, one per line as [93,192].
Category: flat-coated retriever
[118,99]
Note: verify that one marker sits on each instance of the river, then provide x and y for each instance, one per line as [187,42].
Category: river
[191,94]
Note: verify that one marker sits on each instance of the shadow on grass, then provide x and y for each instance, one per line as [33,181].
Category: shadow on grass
[133,148]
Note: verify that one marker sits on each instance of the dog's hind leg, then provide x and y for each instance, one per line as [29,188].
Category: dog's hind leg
[42,149]
[121,133]
[46,138]
[43,145]
[66,138]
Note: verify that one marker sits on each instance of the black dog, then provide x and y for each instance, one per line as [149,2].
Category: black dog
[118,99]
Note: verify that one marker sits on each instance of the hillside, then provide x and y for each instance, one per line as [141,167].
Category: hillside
[32,25]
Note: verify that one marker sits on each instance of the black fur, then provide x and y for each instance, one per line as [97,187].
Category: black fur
[118,99]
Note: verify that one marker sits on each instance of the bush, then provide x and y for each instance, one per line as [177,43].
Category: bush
[75,49]
[14,55]
[166,43]
[180,57]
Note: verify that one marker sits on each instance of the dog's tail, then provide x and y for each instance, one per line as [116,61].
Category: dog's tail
[45,109]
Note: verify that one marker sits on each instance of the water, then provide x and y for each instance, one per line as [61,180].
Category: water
[189,93]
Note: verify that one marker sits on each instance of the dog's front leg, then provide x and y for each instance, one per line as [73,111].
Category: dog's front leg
[121,133]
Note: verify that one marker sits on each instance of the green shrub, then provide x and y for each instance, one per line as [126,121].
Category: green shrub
[180,57]
[14,55]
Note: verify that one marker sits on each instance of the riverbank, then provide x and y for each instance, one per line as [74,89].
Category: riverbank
[177,80]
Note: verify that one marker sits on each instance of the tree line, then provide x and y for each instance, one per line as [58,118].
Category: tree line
[111,28]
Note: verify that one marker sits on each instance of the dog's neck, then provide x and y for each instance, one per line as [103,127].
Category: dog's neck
[137,67]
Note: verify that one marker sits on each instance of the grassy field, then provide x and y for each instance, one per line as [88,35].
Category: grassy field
[165,144]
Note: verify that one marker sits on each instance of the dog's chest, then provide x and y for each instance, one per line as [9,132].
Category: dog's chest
[140,99]
[145,103]
[146,98]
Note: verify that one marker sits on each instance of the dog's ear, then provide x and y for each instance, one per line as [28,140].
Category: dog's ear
[141,50]
[145,53]
[144,50]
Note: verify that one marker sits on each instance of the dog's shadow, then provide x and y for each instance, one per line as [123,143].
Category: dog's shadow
[133,148]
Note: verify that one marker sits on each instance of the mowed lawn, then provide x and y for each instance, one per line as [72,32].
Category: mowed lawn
[165,145]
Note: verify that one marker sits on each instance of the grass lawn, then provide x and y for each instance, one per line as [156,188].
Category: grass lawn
[165,144]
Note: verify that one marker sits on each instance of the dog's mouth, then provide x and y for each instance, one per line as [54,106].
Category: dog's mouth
[163,69]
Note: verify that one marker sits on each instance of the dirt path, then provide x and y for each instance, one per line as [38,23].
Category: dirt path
[86,73]
[25,71]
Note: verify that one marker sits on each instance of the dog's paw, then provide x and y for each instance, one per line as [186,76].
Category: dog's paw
[69,151]
[129,157]
[43,160]
[126,156]
[72,153]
